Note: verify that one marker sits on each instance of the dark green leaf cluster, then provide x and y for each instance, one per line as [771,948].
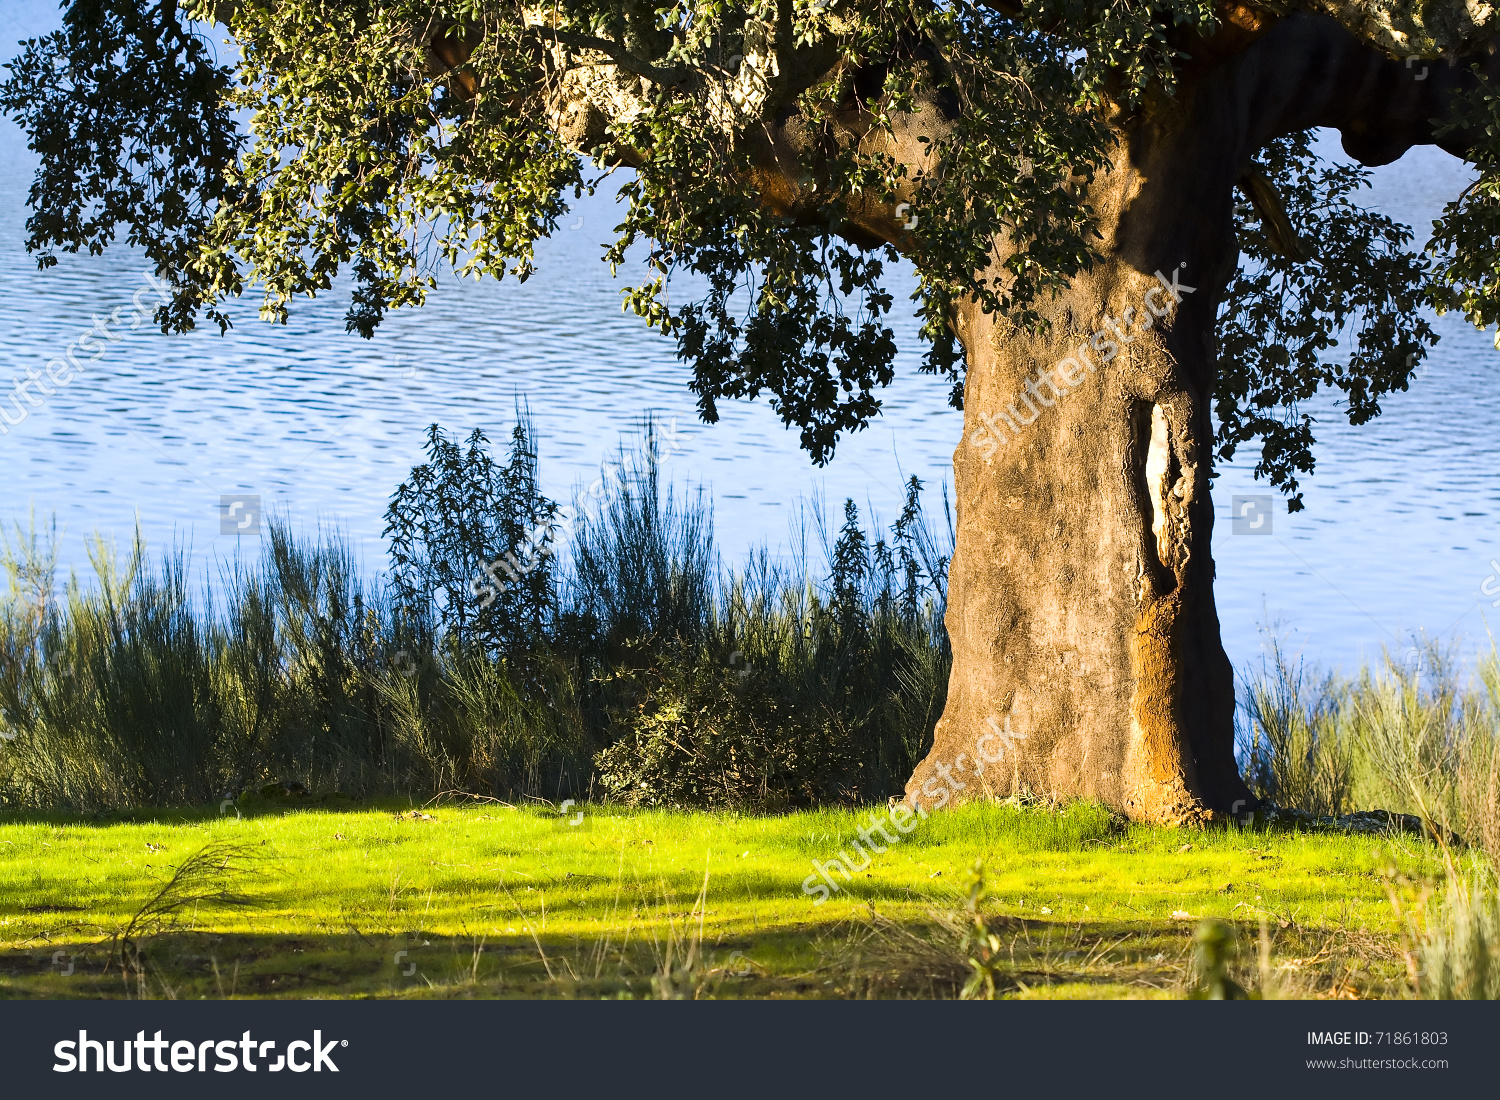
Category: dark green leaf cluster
[1283,314]
[1000,216]
[774,316]
[130,112]
[363,157]
[458,513]
[1467,273]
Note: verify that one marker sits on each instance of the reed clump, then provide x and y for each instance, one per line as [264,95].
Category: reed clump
[1408,736]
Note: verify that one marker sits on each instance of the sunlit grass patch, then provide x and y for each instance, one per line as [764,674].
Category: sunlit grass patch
[487,899]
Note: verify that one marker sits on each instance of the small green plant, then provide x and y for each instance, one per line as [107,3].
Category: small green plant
[1215,949]
[204,878]
[682,973]
[980,945]
[470,546]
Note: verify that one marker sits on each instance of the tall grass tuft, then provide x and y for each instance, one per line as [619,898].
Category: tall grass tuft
[1405,737]
[644,567]
[1293,753]
[1459,954]
[107,693]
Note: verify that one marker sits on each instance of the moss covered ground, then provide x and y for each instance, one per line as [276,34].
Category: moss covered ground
[484,899]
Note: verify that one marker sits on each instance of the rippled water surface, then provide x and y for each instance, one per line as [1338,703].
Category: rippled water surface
[1399,534]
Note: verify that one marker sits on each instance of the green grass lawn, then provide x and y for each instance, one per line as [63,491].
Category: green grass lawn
[489,900]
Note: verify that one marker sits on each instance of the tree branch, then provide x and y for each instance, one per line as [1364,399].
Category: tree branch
[1309,70]
[618,54]
[1280,233]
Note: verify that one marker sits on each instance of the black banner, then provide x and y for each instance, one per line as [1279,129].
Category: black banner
[392,1048]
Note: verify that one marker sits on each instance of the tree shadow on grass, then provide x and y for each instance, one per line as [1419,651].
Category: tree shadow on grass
[196,965]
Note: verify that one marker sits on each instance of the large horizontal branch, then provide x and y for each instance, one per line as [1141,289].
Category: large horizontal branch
[1308,71]
[616,53]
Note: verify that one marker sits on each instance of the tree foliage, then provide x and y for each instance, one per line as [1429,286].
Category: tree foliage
[387,139]
[1467,276]
[1350,275]
[131,114]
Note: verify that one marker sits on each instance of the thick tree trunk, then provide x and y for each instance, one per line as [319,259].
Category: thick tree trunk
[1087,659]
[1084,552]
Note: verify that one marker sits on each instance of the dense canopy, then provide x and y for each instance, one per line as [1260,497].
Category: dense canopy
[783,151]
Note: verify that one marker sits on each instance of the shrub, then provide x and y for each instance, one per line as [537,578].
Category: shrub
[793,696]
[470,547]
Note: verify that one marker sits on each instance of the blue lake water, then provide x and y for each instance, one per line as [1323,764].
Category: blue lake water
[1399,536]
